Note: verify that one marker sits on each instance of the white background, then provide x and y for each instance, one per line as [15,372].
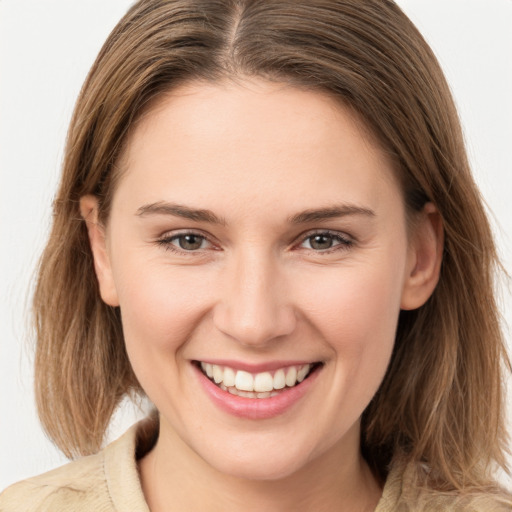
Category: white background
[46,49]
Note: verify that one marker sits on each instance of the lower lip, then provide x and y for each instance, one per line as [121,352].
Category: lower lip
[256,408]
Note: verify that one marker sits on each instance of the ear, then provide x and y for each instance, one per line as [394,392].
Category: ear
[424,258]
[89,211]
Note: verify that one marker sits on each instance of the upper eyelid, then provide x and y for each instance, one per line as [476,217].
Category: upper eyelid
[181,232]
[331,232]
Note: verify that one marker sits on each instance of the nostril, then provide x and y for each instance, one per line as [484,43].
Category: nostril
[254,326]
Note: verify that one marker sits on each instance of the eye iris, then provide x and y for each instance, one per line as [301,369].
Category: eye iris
[321,242]
[190,242]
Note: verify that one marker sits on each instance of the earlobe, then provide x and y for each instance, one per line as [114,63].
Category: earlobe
[424,259]
[97,241]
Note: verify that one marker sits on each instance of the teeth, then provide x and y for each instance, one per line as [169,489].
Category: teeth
[260,385]
[244,381]
[263,382]
[218,374]
[291,376]
[301,374]
[279,379]
[229,377]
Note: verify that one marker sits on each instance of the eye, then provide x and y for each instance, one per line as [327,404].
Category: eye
[185,242]
[189,242]
[324,241]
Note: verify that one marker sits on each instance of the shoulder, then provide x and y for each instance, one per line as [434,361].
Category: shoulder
[401,493]
[105,482]
[471,502]
[79,485]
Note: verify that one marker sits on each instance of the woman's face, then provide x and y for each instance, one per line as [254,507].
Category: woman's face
[257,235]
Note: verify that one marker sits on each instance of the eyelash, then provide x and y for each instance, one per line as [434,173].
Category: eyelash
[166,242]
[343,241]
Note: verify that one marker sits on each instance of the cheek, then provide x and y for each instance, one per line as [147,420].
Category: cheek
[359,306]
[356,316]
[160,307]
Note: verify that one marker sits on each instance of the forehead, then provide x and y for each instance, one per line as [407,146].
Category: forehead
[205,140]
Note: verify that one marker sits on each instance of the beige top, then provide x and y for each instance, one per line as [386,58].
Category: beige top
[109,482]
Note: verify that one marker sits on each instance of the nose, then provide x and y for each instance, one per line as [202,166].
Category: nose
[253,307]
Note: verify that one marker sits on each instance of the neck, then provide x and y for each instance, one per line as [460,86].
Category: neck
[338,480]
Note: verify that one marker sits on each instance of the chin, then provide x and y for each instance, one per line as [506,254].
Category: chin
[258,461]
[258,470]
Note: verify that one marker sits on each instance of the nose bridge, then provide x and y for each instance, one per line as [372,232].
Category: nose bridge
[253,307]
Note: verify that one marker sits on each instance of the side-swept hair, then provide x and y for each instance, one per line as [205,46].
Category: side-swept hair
[440,406]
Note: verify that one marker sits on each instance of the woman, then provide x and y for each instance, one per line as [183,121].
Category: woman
[266,216]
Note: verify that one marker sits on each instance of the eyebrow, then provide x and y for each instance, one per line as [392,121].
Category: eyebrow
[332,212]
[201,215]
[179,210]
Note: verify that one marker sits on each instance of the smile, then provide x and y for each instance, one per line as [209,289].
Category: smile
[258,385]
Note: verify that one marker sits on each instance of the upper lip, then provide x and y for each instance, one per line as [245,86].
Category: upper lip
[256,367]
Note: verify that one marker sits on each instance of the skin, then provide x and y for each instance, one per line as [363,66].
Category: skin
[257,154]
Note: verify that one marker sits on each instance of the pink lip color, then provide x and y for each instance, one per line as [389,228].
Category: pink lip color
[255,408]
[255,368]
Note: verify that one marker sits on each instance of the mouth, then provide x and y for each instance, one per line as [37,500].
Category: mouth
[260,385]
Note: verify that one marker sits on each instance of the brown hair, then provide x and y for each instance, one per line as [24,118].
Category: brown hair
[440,405]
